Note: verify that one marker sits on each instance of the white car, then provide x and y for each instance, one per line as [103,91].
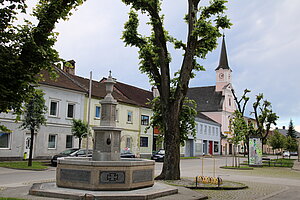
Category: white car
[286,154]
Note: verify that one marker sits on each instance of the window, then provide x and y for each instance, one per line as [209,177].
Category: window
[209,130]
[205,129]
[52,142]
[201,129]
[98,112]
[54,108]
[69,141]
[144,142]
[213,131]
[216,147]
[145,120]
[229,101]
[129,116]
[4,140]
[70,111]
[217,131]
[128,142]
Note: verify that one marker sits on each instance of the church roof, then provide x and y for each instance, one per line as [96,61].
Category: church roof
[223,62]
[207,99]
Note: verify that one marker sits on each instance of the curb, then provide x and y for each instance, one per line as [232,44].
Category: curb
[235,168]
[219,188]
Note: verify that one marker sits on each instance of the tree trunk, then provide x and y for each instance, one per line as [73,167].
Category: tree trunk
[79,143]
[31,147]
[248,156]
[171,167]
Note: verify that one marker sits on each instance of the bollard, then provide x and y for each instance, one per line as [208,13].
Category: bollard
[25,156]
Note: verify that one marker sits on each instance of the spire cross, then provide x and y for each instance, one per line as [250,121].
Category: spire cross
[110,73]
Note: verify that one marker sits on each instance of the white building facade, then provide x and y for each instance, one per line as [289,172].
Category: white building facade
[207,140]
[64,103]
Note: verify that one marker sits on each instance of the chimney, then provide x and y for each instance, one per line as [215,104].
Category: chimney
[155,92]
[283,127]
[69,67]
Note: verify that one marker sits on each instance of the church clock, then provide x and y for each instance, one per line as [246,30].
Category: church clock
[221,75]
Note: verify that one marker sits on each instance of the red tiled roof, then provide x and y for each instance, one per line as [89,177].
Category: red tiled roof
[62,81]
[122,92]
[140,96]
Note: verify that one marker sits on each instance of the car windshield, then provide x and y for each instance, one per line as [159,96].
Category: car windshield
[161,152]
[68,151]
[125,152]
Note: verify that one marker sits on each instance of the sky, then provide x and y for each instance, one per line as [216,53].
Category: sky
[263,48]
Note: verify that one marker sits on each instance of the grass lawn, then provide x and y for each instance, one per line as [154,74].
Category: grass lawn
[24,165]
[281,162]
[240,167]
[7,198]
[189,157]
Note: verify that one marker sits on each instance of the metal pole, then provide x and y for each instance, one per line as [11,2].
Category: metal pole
[202,165]
[89,113]
[214,168]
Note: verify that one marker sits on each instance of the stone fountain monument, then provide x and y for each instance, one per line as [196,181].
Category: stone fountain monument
[105,175]
[105,170]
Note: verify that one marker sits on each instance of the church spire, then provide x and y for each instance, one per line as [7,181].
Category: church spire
[223,63]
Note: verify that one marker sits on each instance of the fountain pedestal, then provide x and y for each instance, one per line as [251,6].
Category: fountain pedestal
[105,170]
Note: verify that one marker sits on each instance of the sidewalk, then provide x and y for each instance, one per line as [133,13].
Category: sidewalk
[22,192]
[296,165]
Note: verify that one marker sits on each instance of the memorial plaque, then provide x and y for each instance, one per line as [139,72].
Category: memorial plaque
[112,177]
[142,175]
[75,175]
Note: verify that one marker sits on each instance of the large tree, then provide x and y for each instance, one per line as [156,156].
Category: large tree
[204,24]
[26,50]
[291,144]
[34,117]
[264,117]
[277,140]
[241,107]
[291,131]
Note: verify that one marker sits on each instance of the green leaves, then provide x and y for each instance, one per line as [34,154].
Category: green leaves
[187,116]
[34,111]
[131,36]
[291,144]
[26,50]
[238,127]
[79,128]
[277,140]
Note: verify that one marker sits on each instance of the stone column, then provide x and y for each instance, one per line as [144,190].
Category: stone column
[107,135]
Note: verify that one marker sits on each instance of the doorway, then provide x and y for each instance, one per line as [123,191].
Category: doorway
[210,147]
[27,146]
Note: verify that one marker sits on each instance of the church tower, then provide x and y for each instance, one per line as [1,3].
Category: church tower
[223,71]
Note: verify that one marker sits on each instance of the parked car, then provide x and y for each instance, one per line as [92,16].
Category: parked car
[294,153]
[286,154]
[159,155]
[75,152]
[127,154]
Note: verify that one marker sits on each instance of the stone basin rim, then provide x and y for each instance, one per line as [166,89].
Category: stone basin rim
[90,162]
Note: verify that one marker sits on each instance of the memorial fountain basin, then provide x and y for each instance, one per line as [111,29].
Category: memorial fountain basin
[85,173]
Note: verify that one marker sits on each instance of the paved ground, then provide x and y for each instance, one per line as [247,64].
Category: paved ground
[264,183]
